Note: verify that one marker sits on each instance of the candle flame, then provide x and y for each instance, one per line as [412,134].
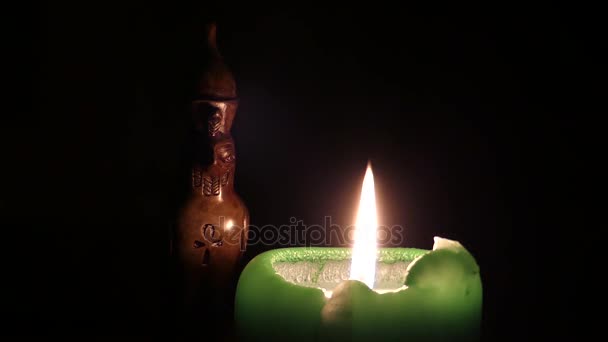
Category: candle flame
[363,266]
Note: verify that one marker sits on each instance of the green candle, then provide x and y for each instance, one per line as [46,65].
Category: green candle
[440,298]
[363,294]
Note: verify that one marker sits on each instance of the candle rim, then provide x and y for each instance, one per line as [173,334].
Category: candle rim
[306,266]
[386,255]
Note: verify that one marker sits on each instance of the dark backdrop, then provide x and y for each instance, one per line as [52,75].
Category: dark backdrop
[472,118]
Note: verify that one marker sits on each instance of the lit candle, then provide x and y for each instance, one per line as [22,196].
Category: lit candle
[367,293]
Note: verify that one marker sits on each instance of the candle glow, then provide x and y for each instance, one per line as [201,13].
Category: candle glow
[311,293]
[363,266]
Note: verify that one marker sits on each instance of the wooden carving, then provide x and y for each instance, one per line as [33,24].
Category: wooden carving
[211,233]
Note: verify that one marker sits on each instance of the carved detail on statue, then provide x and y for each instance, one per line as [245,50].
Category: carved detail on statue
[211,186]
[225,176]
[215,124]
[211,234]
[197,177]
[213,117]
[218,175]
[206,257]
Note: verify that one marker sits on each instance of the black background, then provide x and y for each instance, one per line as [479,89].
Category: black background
[474,120]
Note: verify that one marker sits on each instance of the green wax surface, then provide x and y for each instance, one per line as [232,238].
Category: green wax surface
[442,300]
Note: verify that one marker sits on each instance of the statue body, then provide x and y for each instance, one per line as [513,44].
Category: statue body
[212,225]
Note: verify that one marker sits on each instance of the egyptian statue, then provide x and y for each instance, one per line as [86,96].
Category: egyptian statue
[211,233]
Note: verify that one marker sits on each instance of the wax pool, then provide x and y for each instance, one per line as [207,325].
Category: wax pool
[424,296]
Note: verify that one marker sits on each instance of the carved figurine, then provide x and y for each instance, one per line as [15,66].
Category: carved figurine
[211,232]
